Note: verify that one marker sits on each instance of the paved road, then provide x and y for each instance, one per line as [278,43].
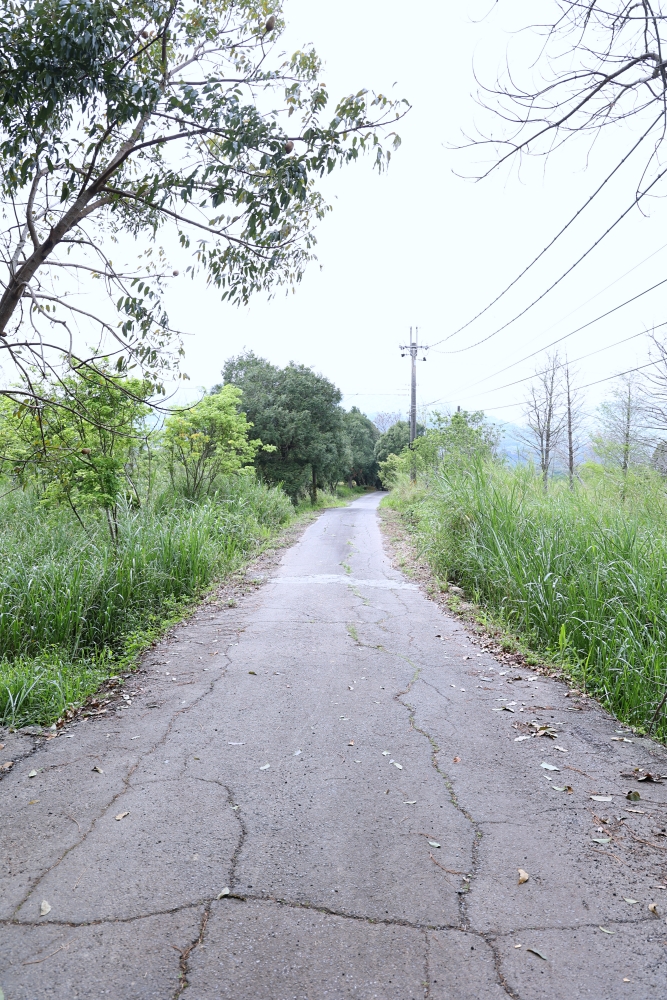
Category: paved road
[300,752]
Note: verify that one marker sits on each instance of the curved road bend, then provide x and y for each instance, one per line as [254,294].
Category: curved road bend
[299,754]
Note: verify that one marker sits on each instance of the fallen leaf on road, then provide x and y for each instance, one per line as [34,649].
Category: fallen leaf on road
[549,767]
[640,812]
[433,843]
[630,901]
[523,876]
[122,815]
[457,760]
[44,908]
[605,931]
[399,766]
[32,774]
[654,909]
[520,739]
[98,769]
[562,749]
[225,892]
[601,798]
[254,672]
[517,945]
[601,840]
[265,767]
[385,753]
[33,802]
[297,752]
[8,765]
[351,743]
[563,788]
[236,744]
[621,739]
[633,796]
[410,802]
[626,980]
[538,953]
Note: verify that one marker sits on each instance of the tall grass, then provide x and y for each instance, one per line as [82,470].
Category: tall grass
[72,603]
[581,574]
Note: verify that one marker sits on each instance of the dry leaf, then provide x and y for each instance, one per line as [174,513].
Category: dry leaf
[399,766]
[605,931]
[351,743]
[32,774]
[654,909]
[631,901]
[538,953]
[549,767]
[523,876]
[385,753]
[601,798]
[8,765]
[254,672]
[265,767]
[225,892]
[433,843]
[98,769]
[410,802]
[633,796]
[44,908]
[457,760]
[122,815]
[520,739]
[601,840]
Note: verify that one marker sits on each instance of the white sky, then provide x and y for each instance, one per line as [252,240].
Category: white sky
[420,246]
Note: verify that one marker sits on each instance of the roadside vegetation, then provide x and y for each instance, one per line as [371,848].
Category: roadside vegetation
[570,559]
[116,518]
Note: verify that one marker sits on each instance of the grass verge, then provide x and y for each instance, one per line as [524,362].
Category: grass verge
[76,609]
[576,578]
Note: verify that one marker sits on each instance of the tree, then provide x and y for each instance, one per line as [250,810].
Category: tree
[76,441]
[572,402]
[455,442]
[623,439]
[383,421]
[118,118]
[615,71]
[395,440]
[595,66]
[299,413]
[207,441]
[362,435]
[545,416]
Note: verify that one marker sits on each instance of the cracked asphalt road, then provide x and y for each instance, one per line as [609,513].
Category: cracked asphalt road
[301,752]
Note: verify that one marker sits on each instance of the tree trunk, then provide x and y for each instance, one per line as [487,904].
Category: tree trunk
[570,445]
[313,487]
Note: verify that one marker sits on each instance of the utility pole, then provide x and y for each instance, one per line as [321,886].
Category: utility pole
[413,349]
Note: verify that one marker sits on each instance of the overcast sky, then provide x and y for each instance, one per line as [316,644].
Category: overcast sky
[420,246]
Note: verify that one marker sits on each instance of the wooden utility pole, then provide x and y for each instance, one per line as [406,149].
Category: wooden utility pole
[413,349]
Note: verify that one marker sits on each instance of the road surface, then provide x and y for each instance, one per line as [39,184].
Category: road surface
[318,795]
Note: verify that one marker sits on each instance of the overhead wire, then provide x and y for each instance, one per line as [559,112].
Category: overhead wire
[558,340]
[542,252]
[599,381]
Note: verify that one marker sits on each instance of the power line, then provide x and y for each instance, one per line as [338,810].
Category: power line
[559,339]
[607,378]
[565,336]
[558,280]
[556,237]
[572,362]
